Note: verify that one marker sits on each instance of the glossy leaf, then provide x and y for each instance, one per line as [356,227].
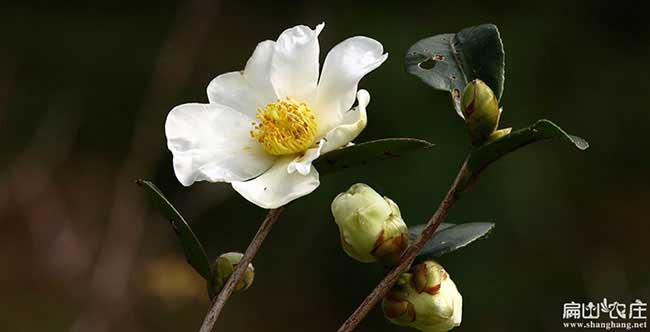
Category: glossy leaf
[449,61]
[454,237]
[488,153]
[414,231]
[368,152]
[193,249]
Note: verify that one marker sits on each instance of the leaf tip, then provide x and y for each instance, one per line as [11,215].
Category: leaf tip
[579,142]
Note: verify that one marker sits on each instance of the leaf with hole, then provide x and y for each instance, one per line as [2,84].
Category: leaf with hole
[192,248]
[368,152]
[453,237]
[484,155]
[449,61]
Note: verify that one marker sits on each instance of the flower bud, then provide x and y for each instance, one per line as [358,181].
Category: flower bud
[371,226]
[424,298]
[225,265]
[481,110]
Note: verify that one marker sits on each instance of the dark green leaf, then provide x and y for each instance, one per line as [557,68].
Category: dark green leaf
[193,249]
[449,61]
[368,152]
[486,154]
[414,231]
[453,238]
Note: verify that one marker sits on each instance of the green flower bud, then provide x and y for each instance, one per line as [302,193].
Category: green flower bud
[424,298]
[370,225]
[481,110]
[225,265]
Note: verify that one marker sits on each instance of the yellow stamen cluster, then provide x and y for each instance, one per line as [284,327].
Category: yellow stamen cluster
[285,127]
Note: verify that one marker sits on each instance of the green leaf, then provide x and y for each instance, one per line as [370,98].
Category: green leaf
[414,231]
[488,153]
[449,61]
[193,249]
[368,152]
[454,237]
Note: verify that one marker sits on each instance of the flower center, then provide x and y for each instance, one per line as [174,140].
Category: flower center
[285,127]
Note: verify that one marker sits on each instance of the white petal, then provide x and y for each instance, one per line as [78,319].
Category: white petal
[233,90]
[344,67]
[276,187]
[212,142]
[352,123]
[294,67]
[302,164]
[258,71]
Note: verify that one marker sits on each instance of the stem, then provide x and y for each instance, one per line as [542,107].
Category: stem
[409,255]
[252,249]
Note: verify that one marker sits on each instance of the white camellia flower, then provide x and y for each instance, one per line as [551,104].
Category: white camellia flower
[265,125]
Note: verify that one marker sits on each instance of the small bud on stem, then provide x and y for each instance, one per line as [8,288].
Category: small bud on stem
[424,298]
[481,110]
[371,226]
[224,266]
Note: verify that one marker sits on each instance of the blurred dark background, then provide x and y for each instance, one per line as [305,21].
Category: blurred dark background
[85,89]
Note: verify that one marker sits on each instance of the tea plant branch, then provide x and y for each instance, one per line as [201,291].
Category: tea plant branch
[250,253]
[411,252]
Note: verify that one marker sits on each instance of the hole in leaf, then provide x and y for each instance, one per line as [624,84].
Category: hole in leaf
[455,93]
[429,64]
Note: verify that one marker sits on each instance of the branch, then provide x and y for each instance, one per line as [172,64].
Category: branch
[252,249]
[409,255]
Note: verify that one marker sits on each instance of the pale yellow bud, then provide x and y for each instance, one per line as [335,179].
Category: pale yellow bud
[224,266]
[425,298]
[481,110]
[370,225]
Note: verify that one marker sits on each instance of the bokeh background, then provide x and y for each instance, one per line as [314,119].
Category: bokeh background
[85,89]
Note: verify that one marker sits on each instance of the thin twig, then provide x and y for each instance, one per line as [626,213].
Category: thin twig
[409,255]
[250,253]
